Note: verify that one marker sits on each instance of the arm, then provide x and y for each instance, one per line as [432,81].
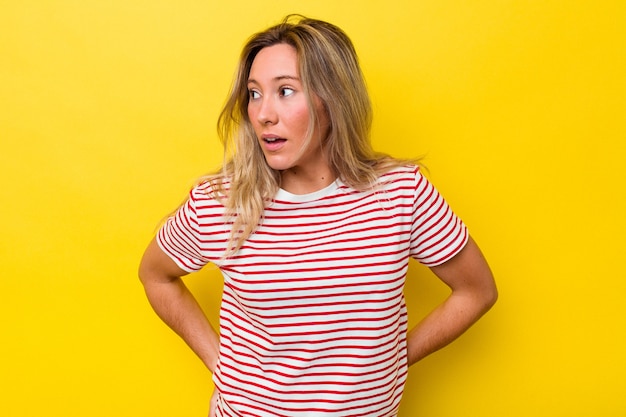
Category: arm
[175,305]
[473,293]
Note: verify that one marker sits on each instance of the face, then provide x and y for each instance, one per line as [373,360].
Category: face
[279,112]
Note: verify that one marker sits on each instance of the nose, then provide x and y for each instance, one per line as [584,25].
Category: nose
[267,112]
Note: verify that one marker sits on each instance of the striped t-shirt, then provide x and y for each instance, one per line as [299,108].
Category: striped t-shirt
[313,319]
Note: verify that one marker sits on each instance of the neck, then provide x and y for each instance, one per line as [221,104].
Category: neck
[297,181]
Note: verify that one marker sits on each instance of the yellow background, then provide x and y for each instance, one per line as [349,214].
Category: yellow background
[107,116]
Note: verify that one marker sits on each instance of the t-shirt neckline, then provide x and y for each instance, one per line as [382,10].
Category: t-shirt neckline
[284,195]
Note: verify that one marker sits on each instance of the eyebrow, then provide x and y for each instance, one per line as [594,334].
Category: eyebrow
[277,78]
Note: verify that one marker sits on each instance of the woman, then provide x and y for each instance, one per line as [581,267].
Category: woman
[312,231]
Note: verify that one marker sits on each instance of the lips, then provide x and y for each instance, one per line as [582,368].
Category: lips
[273,143]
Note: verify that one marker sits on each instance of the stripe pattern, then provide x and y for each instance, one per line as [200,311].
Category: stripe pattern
[313,319]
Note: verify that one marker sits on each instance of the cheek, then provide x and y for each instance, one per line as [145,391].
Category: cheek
[300,119]
[253,120]
[250,114]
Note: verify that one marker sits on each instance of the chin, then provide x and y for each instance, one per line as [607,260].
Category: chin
[278,165]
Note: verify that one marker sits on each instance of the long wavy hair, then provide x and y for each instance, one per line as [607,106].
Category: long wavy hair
[329,69]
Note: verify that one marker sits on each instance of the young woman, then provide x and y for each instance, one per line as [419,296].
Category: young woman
[313,232]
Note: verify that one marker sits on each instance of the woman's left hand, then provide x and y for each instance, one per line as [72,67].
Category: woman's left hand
[213,403]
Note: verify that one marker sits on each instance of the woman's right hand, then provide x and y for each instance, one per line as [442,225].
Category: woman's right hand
[213,404]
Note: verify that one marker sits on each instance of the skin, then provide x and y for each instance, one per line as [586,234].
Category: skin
[278,108]
[473,293]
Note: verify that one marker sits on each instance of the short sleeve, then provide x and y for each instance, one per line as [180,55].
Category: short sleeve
[437,234]
[180,239]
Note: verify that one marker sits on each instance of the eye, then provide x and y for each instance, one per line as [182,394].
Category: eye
[253,94]
[286,91]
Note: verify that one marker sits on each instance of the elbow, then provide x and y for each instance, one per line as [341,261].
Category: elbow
[493,298]
[489,297]
[142,274]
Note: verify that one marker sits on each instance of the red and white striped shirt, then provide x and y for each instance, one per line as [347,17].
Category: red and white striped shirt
[313,319]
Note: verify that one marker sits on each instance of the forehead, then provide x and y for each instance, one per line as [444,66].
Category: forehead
[279,60]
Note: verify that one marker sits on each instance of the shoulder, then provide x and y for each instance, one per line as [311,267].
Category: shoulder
[404,169]
[408,173]
[210,188]
[209,193]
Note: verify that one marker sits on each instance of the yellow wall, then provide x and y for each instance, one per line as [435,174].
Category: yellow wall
[107,115]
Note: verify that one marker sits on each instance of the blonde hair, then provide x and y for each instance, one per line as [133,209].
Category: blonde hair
[329,69]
